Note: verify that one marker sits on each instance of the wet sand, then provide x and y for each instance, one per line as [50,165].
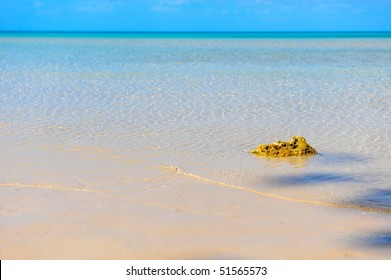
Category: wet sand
[89,203]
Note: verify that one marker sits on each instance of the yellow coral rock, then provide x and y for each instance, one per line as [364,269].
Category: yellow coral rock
[296,146]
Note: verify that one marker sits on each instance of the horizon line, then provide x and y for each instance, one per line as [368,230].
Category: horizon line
[200,34]
[184,31]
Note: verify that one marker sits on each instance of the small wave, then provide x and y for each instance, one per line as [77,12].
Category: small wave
[363,207]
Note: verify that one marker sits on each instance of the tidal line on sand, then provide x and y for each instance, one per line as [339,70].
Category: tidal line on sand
[47,186]
[275,196]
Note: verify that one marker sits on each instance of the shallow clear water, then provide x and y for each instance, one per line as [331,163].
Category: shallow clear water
[202,104]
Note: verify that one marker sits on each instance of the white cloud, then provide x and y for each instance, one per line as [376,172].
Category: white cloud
[177,2]
[97,6]
[38,4]
[330,6]
[171,5]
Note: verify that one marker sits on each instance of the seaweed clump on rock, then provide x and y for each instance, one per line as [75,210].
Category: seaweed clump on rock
[296,146]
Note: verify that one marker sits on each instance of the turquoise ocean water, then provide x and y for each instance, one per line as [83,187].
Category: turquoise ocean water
[202,101]
[202,35]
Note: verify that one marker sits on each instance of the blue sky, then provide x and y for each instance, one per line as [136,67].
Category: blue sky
[196,15]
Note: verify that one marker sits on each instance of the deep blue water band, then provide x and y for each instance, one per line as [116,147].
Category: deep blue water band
[201,35]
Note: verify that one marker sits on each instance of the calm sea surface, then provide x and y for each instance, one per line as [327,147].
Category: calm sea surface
[202,101]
